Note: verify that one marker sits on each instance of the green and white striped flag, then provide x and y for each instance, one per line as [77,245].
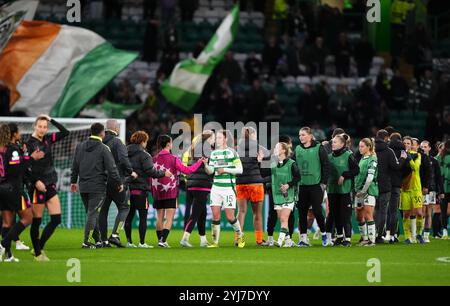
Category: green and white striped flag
[185,85]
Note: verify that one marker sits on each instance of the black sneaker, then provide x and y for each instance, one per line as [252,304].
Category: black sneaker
[379,240]
[338,241]
[88,245]
[106,244]
[115,241]
[396,239]
[346,243]
[99,245]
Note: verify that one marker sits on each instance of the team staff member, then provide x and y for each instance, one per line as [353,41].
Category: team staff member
[93,166]
[343,168]
[43,179]
[436,190]
[249,184]
[314,167]
[120,154]
[142,163]
[387,165]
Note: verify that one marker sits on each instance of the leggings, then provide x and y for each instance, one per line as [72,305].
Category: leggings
[310,196]
[198,214]
[340,214]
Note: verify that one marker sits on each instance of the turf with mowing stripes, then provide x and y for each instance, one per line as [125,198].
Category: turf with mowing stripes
[227,265]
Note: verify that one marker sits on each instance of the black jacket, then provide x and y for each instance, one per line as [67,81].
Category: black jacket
[199,178]
[142,163]
[120,153]
[16,166]
[436,178]
[93,165]
[248,150]
[388,165]
[425,171]
[397,175]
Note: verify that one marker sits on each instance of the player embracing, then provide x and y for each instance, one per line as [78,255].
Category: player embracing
[225,164]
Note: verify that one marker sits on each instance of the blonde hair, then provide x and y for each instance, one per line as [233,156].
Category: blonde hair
[287,149]
[308,130]
[370,144]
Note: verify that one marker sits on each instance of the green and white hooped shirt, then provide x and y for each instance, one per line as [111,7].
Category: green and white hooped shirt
[228,159]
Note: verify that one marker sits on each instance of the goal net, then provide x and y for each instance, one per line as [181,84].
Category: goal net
[73,214]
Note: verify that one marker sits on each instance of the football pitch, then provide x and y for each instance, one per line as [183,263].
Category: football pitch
[228,266]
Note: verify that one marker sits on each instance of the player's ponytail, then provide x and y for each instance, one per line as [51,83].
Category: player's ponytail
[5,135]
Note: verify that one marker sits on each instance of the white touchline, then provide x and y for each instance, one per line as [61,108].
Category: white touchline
[443,259]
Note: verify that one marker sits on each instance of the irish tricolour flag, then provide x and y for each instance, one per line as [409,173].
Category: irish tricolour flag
[57,69]
[185,85]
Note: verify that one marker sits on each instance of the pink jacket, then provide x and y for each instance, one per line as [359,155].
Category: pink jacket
[167,187]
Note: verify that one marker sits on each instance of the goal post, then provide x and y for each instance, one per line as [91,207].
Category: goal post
[72,209]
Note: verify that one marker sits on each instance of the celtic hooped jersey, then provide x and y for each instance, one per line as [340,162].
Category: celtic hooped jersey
[226,159]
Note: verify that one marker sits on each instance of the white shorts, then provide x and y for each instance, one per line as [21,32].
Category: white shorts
[283,206]
[368,200]
[223,196]
[429,198]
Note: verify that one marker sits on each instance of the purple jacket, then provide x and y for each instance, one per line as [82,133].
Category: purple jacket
[164,188]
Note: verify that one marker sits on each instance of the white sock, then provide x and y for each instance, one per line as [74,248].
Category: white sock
[413,228]
[203,239]
[426,234]
[328,236]
[281,238]
[371,232]
[445,232]
[363,231]
[216,233]
[270,238]
[237,228]
[388,235]
[186,236]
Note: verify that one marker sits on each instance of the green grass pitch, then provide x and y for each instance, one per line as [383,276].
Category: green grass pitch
[227,265]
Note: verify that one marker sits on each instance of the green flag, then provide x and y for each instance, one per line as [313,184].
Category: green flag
[185,85]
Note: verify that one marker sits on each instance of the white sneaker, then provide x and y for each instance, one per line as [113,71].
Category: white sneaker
[131,245]
[20,246]
[204,244]
[164,245]
[2,252]
[185,244]
[288,243]
[444,234]
[426,239]
[144,246]
[11,259]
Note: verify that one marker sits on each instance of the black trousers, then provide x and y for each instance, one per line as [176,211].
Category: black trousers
[310,196]
[272,217]
[197,211]
[340,213]
[444,206]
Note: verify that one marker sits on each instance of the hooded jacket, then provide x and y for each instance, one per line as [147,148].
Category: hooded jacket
[120,154]
[142,163]
[388,165]
[397,175]
[247,151]
[93,165]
